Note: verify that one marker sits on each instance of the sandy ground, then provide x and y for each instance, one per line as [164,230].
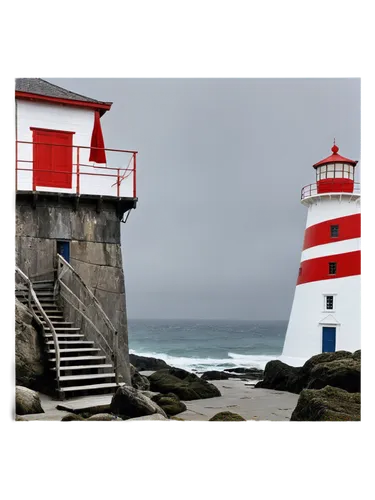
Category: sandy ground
[236,396]
[250,403]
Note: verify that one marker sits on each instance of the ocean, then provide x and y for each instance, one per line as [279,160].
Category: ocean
[202,345]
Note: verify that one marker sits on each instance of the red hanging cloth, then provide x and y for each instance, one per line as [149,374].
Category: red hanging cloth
[97,141]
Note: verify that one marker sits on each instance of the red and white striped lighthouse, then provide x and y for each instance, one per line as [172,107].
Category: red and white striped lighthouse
[325,315]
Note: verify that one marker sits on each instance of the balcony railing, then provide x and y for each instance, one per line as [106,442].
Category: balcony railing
[117,178]
[330,188]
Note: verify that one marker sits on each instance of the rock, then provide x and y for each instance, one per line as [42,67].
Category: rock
[328,404]
[29,349]
[104,416]
[343,373]
[281,377]
[143,363]
[216,375]
[170,403]
[357,355]
[73,416]
[149,394]
[185,385]
[139,381]
[241,373]
[18,418]
[226,416]
[129,402]
[155,416]
[27,401]
[250,373]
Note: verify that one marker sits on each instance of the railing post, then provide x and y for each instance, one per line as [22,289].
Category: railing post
[135,175]
[115,350]
[29,296]
[118,183]
[78,178]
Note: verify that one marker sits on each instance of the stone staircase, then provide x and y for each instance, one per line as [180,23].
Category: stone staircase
[84,370]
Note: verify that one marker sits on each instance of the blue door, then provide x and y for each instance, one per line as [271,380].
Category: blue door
[63,248]
[329,339]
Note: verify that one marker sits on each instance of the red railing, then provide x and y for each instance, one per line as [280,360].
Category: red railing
[336,188]
[119,174]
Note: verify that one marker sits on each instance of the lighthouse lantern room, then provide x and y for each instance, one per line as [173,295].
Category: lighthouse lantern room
[325,315]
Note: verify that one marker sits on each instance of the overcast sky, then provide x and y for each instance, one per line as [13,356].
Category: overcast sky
[219,227]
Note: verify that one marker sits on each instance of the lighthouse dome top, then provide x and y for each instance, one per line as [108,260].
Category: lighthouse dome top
[335,158]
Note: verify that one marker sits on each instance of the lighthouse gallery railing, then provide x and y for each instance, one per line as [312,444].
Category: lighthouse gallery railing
[84,309]
[32,297]
[312,189]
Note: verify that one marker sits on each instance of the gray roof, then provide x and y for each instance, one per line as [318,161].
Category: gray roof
[42,87]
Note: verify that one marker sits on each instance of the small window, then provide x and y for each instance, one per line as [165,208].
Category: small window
[335,231]
[332,267]
[329,302]
[300,271]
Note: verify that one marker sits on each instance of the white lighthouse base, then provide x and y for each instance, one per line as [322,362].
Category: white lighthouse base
[304,337]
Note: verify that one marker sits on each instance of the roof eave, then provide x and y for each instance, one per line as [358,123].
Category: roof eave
[102,107]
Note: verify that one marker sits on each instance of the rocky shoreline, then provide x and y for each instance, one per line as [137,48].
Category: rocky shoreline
[325,388]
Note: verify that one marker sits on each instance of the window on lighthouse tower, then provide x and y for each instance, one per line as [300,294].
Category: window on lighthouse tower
[332,267]
[335,231]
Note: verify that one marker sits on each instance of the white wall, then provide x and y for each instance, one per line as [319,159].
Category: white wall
[308,316]
[322,208]
[72,119]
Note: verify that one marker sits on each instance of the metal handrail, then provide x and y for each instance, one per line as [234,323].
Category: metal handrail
[32,295]
[121,173]
[61,263]
[312,189]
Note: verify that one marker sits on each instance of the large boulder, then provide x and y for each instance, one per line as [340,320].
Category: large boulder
[343,373]
[216,375]
[104,417]
[27,401]
[142,363]
[280,376]
[71,418]
[227,416]
[129,402]
[185,385]
[139,381]
[155,416]
[328,404]
[170,403]
[29,349]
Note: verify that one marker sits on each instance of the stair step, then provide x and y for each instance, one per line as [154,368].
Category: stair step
[90,387]
[44,293]
[68,335]
[67,378]
[57,324]
[83,367]
[50,316]
[84,349]
[64,329]
[71,342]
[78,358]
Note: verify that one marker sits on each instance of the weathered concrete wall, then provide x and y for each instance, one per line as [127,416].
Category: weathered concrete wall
[95,253]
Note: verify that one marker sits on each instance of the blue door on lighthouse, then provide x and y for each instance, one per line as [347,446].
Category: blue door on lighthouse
[329,339]
[63,249]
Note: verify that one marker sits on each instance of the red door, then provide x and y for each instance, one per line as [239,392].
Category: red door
[53,158]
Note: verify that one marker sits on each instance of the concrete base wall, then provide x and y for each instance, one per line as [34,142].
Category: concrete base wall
[95,252]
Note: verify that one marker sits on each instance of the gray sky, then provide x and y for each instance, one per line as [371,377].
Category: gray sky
[218,230]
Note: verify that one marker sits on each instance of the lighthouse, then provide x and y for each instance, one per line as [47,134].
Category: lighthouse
[325,315]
